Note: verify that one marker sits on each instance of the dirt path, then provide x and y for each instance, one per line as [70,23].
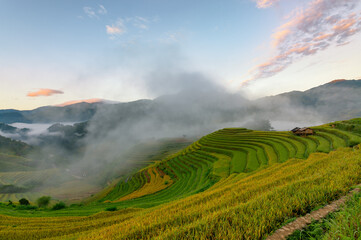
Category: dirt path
[302,222]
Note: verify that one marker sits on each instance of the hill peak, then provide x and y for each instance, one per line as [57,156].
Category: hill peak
[92,100]
[338,80]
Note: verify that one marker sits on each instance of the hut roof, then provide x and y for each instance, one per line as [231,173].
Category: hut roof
[295,129]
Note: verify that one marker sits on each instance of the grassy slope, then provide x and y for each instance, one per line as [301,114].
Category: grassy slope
[223,153]
[228,169]
[198,167]
[343,224]
[247,207]
[19,171]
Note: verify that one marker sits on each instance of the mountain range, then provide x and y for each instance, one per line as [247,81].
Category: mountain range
[335,100]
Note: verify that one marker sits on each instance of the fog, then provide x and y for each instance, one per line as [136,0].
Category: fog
[279,125]
[31,133]
[189,105]
[194,107]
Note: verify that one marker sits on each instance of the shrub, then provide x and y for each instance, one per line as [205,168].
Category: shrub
[24,201]
[77,205]
[353,143]
[59,205]
[26,207]
[43,201]
[111,209]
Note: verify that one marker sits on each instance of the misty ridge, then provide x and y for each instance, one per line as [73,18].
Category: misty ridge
[97,144]
[201,107]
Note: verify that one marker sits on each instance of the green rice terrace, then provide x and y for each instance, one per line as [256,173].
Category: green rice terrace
[225,153]
[230,158]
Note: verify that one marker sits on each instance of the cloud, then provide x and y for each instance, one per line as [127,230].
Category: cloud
[117,28]
[313,29]
[128,24]
[140,22]
[265,3]
[102,10]
[90,12]
[44,92]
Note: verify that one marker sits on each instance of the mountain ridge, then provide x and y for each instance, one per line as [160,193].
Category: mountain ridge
[324,101]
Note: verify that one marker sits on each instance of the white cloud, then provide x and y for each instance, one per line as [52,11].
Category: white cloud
[139,22]
[102,10]
[128,25]
[90,12]
[116,29]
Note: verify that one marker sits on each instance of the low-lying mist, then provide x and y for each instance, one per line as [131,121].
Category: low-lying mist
[96,151]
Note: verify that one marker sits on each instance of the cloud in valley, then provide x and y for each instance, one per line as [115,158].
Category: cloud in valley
[44,92]
[321,24]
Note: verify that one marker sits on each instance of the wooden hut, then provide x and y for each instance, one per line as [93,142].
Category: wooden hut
[303,131]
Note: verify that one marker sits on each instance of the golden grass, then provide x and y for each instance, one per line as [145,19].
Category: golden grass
[156,184]
[245,206]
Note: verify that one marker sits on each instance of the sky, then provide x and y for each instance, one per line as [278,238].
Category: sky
[58,51]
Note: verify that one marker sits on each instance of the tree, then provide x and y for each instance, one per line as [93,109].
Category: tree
[43,201]
[59,205]
[24,201]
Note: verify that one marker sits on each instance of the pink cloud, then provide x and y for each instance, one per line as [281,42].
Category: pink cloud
[44,92]
[313,29]
[265,3]
[322,37]
[117,28]
[280,36]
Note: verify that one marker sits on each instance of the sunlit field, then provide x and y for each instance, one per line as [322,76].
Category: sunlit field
[237,183]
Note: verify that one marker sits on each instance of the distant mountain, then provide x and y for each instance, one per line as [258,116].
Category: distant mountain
[11,116]
[71,113]
[93,100]
[338,99]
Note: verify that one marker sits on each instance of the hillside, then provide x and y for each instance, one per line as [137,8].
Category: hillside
[223,154]
[334,100]
[72,113]
[10,146]
[234,182]
[212,108]
[30,172]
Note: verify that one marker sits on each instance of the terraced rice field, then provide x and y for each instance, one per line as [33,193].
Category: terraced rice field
[10,163]
[234,182]
[14,197]
[242,207]
[26,177]
[224,153]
